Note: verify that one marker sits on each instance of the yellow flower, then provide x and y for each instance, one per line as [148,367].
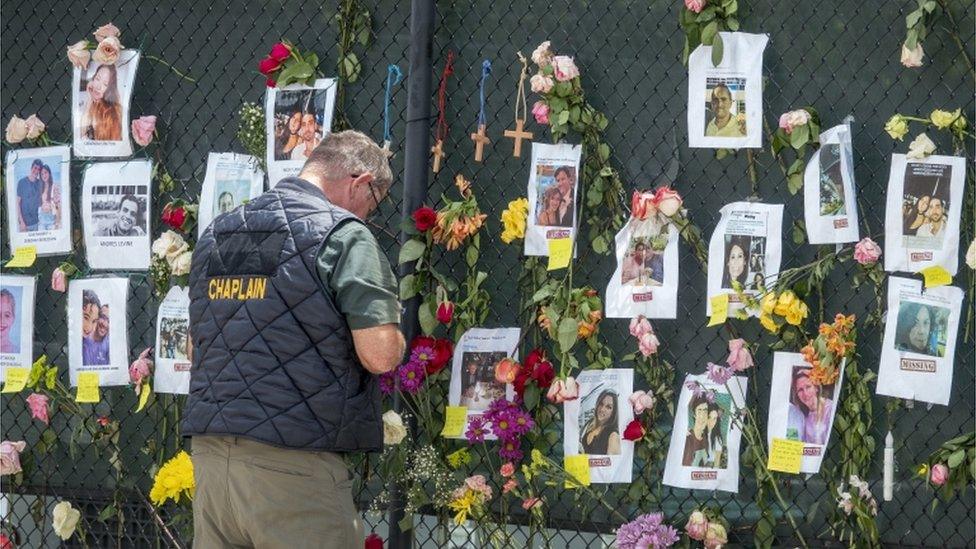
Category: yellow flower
[768,303]
[463,506]
[897,127]
[174,479]
[459,458]
[923,470]
[944,119]
[768,323]
[784,303]
[513,220]
[538,460]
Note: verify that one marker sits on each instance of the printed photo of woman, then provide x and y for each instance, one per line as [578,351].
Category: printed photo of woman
[810,412]
[49,212]
[921,329]
[101,113]
[600,434]
[9,332]
[716,439]
[552,199]
[736,260]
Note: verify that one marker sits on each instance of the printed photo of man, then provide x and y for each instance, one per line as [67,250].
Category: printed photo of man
[30,190]
[127,221]
[723,122]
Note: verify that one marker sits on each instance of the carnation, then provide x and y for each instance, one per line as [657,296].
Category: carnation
[646,531]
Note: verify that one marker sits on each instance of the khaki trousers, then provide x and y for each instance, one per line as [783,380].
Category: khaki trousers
[250,494]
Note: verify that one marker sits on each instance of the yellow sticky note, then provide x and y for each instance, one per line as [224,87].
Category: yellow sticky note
[785,455]
[578,467]
[936,276]
[24,256]
[88,388]
[560,252]
[720,309]
[455,419]
[16,380]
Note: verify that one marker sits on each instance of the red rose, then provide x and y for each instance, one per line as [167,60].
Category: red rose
[424,218]
[373,542]
[521,380]
[634,431]
[280,52]
[174,216]
[534,357]
[270,83]
[268,65]
[543,374]
[445,312]
[443,351]
[422,341]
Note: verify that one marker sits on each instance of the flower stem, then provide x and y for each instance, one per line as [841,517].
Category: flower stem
[171,67]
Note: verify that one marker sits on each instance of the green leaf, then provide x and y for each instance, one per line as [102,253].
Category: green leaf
[567,334]
[911,40]
[349,67]
[956,458]
[363,36]
[799,232]
[603,152]
[794,182]
[912,18]
[406,523]
[425,314]
[412,250]
[408,287]
[929,6]
[531,396]
[563,117]
[600,245]
[732,23]
[800,136]
[471,256]
[718,50]
[294,71]
[313,60]
[709,33]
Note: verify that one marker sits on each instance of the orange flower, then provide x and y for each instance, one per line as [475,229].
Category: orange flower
[595,316]
[462,184]
[585,329]
[543,321]
[820,375]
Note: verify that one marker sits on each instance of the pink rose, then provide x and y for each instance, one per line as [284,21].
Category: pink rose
[562,390]
[697,526]
[668,200]
[542,55]
[639,326]
[939,474]
[38,406]
[647,344]
[564,68]
[715,535]
[641,401]
[695,5]
[642,205]
[912,58]
[59,280]
[142,130]
[79,55]
[141,368]
[108,50]
[16,129]
[867,251]
[508,469]
[35,127]
[541,112]
[793,119]
[10,456]
[509,485]
[739,356]
[531,503]
[541,83]
[106,31]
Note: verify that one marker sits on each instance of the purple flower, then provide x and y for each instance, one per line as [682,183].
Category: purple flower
[698,390]
[720,375]
[647,531]
[388,382]
[476,429]
[412,376]
[508,420]
[511,450]
[422,354]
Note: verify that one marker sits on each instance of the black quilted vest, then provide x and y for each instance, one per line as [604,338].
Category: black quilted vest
[273,358]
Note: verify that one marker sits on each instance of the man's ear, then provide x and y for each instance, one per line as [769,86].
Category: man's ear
[364,178]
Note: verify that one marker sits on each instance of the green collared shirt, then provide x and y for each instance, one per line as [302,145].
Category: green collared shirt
[356,271]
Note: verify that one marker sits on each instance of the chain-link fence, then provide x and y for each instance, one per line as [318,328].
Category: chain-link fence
[840,57]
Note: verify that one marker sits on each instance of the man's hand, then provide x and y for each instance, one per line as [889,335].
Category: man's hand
[380,348]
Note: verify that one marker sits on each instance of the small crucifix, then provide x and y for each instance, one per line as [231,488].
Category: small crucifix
[480,140]
[518,134]
[438,152]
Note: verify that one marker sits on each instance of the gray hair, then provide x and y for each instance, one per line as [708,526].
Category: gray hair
[350,153]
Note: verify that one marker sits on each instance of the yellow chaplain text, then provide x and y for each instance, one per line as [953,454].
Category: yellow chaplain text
[237,287]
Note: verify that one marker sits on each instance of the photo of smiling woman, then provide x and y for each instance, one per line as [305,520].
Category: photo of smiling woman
[101,111]
[810,411]
[705,440]
[600,435]
[736,266]
[9,328]
[921,329]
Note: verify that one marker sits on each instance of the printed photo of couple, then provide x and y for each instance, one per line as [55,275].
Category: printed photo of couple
[11,301]
[925,205]
[811,408]
[119,210]
[643,263]
[599,421]
[95,329]
[922,328]
[555,201]
[725,106]
[299,122]
[744,261]
[478,384]
[38,206]
[832,200]
[708,430]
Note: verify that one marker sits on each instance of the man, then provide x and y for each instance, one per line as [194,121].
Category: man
[723,124]
[29,191]
[310,138]
[934,219]
[126,219]
[565,181]
[634,266]
[293,314]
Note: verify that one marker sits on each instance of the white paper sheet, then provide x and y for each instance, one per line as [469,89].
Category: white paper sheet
[102,129]
[746,247]
[554,171]
[297,117]
[919,341]
[173,346]
[230,180]
[116,203]
[646,279]
[925,200]
[800,410]
[700,457]
[97,334]
[473,383]
[45,199]
[603,397]
[829,199]
[17,294]
[732,119]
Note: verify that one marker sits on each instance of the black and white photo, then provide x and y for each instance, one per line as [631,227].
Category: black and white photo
[116,203]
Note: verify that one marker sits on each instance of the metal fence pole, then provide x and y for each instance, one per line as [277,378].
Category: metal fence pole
[415,172]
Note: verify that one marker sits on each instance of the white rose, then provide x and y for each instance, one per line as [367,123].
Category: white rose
[541,83]
[921,147]
[971,255]
[798,117]
[35,127]
[542,54]
[394,430]
[65,520]
[181,265]
[912,58]
[168,244]
[79,55]
[16,129]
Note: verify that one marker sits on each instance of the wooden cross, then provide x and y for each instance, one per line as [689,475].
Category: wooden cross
[438,152]
[518,134]
[480,140]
